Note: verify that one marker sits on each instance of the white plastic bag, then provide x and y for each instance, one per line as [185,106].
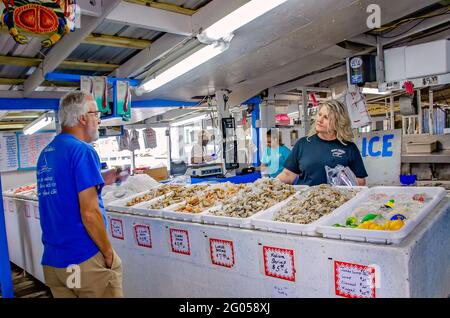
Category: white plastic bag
[341,176]
[357,108]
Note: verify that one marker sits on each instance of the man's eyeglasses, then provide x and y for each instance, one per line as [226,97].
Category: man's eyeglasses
[96,112]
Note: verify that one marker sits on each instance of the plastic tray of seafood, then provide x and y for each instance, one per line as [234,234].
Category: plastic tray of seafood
[238,211]
[125,205]
[196,205]
[19,191]
[164,203]
[382,214]
[28,195]
[303,212]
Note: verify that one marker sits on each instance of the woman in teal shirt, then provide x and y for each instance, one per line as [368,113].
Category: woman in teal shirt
[275,156]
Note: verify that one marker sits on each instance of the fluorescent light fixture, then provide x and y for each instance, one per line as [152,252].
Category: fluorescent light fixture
[239,17]
[189,120]
[373,91]
[41,122]
[201,56]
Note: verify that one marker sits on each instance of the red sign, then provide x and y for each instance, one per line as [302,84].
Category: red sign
[142,235]
[116,226]
[222,252]
[179,240]
[354,281]
[279,263]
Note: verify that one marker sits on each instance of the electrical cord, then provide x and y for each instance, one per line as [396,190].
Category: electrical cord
[408,20]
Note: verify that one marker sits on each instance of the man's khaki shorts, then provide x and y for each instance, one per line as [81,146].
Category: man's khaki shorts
[90,279]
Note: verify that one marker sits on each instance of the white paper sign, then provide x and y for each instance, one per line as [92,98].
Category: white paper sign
[36,212]
[279,263]
[117,228]
[30,147]
[354,281]
[8,152]
[222,252]
[283,291]
[11,206]
[28,210]
[142,235]
[179,240]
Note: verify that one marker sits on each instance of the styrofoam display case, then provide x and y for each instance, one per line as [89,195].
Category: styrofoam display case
[265,221]
[245,223]
[379,236]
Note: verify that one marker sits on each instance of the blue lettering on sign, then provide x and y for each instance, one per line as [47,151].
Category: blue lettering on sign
[387,145]
[371,142]
[368,147]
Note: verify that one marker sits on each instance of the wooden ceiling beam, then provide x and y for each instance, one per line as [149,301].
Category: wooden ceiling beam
[104,40]
[70,65]
[20,81]
[164,6]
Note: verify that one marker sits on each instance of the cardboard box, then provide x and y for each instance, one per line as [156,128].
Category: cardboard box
[159,174]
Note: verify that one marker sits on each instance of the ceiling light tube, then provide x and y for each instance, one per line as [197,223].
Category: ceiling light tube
[373,91]
[189,120]
[238,18]
[43,121]
[189,63]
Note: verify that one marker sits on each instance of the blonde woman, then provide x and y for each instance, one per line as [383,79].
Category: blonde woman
[329,143]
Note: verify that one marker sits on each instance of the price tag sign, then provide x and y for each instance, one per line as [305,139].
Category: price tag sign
[279,263]
[354,281]
[36,211]
[283,291]
[11,206]
[28,210]
[222,252]
[116,228]
[179,240]
[142,235]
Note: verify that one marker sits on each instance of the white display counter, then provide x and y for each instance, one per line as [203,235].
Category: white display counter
[173,259]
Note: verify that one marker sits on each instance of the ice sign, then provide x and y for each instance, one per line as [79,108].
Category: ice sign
[142,235]
[354,281]
[117,228]
[179,240]
[279,263]
[222,252]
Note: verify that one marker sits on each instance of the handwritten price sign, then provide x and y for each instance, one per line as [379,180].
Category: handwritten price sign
[11,206]
[142,235]
[354,281]
[117,228]
[179,240]
[28,210]
[279,263]
[222,252]
[36,212]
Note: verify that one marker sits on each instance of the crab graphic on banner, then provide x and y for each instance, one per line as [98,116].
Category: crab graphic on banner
[55,18]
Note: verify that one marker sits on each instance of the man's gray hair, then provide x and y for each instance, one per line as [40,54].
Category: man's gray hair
[71,107]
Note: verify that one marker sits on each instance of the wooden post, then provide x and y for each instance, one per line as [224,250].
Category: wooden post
[419,110]
[392,113]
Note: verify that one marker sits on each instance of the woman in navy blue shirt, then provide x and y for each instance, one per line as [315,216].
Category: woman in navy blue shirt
[329,143]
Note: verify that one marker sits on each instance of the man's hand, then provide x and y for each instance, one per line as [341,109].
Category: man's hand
[109,176]
[109,258]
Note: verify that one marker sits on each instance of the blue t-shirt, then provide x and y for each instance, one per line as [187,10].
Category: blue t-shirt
[309,158]
[274,159]
[66,167]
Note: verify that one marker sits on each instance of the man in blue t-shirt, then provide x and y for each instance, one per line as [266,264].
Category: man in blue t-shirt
[78,258]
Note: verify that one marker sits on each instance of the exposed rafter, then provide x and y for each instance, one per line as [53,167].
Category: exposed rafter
[69,65]
[116,41]
[164,6]
[20,81]
[105,40]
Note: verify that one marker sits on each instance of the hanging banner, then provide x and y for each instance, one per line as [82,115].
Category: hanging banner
[123,100]
[53,18]
[149,138]
[98,87]
[357,108]
[134,141]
